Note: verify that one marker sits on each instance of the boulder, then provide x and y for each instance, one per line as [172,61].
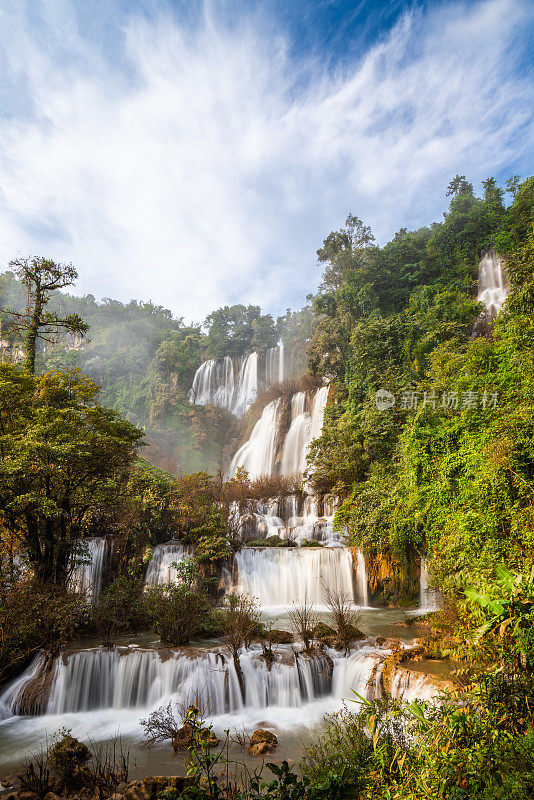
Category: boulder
[262,742]
[279,637]
[186,736]
[323,631]
[68,753]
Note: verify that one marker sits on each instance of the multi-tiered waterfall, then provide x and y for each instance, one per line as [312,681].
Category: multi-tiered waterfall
[235,383]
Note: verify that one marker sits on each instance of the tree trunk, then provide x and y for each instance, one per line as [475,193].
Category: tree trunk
[33,331]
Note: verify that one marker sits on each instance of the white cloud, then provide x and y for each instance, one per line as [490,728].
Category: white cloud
[196,169]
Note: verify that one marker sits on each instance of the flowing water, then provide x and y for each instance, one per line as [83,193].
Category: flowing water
[429,599]
[162,567]
[493,287]
[97,692]
[280,576]
[235,383]
[86,578]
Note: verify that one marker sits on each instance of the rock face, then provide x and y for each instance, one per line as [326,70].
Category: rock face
[188,735]
[262,742]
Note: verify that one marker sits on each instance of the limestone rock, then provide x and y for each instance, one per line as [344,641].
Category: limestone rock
[262,742]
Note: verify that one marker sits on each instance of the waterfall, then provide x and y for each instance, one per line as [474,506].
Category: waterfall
[234,384]
[86,578]
[281,576]
[131,678]
[274,365]
[247,386]
[429,599]
[297,438]
[493,286]
[161,569]
[361,579]
[317,412]
[362,670]
[257,455]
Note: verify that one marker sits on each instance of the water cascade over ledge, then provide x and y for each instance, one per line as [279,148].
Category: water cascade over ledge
[281,576]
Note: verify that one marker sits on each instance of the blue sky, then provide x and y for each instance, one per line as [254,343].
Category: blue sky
[197,153]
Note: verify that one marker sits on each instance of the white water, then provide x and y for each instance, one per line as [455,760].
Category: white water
[234,384]
[493,286]
[99,694]
[280,576]
[131,678]
[361,672]
[297,438]
[257,455]
[161,567]
[429,599]
[86,578]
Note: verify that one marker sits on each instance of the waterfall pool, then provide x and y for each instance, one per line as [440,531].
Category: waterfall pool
[99,694]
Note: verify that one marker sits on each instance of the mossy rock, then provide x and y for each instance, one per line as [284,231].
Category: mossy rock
[311,543]
[277,636]
[355,633]
[68,753]
[323,631]
[271,541]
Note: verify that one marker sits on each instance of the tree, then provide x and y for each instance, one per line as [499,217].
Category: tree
[242,621]
[345,619]
[459,185]
[237,330]
[61,455]
[304,619]
[176,611]
[41,277]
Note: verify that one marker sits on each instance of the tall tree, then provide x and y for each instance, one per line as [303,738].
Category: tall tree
[41,277]
[62,457]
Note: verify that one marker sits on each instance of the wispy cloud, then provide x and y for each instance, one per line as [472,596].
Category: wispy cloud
[203,164]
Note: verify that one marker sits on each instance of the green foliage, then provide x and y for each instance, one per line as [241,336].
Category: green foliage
[238,330]
[176,612]
[33,615]
[509,610]
[120,609]
[456,482]
[212,549]
[271,541]
[61,454]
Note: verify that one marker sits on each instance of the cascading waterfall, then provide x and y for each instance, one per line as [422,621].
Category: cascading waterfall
[235,383]
[247,385]
[281,576]
[161,567]
[362,672]
[125,679]
[257,455]
[86,578]
[493,286]
[297,438]
[429,599]
[131,678]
